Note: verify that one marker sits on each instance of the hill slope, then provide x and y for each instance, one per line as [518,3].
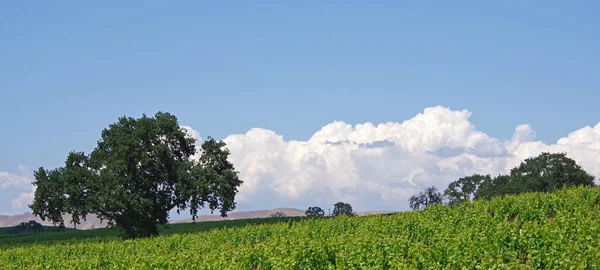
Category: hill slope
[290,212]
[93,222]
[532,231]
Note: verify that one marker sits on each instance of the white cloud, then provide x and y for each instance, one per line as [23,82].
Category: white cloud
[16,183]
[24,199]
[193,133]
[377,167]
[22,180]
[372,167]
[196,135]
[582,145]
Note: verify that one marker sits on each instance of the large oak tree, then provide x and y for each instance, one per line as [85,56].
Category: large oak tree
[139,171]
[550,171]
[546,172]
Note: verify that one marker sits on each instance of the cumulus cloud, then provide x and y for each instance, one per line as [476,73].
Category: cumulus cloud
[372,167]
[196,135]
[582,145]
[24,199]
[18,183]
[15,180]
[193,133]
[377,167]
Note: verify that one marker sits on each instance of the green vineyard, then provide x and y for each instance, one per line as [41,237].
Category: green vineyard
[559,230]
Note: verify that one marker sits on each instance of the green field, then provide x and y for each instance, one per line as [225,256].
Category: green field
[69,235]
[9,231]
[559,230]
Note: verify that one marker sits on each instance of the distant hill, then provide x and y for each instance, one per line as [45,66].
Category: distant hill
[290,212]
[366,213]
[93,222]
[9,231]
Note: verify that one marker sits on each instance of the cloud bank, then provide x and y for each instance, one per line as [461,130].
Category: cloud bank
[19,185]
[373,167]
[377,167]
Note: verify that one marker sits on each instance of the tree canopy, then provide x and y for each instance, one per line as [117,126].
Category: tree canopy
[139,171]
[342,208]
[31,226]
[465,188]
[546,172]
[425,198]
[315,211]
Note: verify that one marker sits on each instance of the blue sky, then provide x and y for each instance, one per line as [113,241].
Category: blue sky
[69,69]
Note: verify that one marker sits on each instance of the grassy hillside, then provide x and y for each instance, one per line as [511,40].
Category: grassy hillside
[69,235]
[14,233]
[531,231]
[4,231]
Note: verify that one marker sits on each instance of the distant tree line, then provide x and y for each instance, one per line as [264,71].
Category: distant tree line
[339,209]
[31,226]
[545,173]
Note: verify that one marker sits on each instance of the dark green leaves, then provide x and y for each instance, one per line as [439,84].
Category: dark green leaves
[548,172]
[139,171]
[341,208]
[49,198]
[464,188]
[429,196]
[217,179]
[315,211]
[545,173]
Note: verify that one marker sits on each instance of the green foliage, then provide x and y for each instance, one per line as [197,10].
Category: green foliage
[55,236]
[499,186]
[544,173]
[465,188]
[527,231]
[14,233]
[139,171]
[342,208]
[315,211]
[50,187]
[429,196]
[548,172]
[31,226]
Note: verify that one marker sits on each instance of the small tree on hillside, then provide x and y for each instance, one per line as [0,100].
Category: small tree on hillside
[29,226]
[425,198]
[314,211]
[465,188]
[278,214]
[341,208]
